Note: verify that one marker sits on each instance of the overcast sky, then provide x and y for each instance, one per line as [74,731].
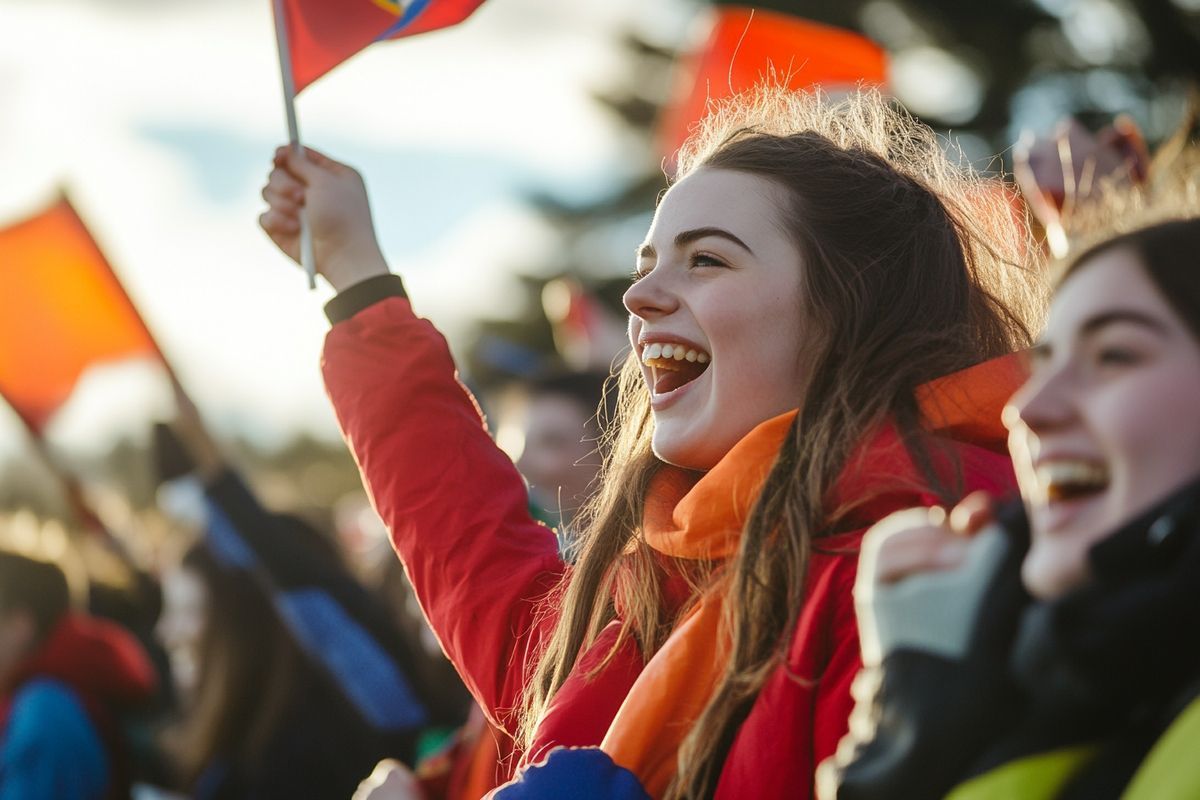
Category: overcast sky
[159,117]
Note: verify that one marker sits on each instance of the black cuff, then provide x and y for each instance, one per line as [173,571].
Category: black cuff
[363,294]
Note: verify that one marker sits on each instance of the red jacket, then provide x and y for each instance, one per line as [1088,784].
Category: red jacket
[482,567]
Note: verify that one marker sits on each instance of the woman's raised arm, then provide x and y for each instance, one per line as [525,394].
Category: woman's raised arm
[454,503]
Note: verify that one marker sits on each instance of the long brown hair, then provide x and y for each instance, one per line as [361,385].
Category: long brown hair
[913,269]
[250,669]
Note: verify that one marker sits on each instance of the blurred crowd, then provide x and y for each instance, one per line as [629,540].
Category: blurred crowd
[247,652]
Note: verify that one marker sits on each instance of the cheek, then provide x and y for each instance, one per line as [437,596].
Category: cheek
[764,352]
[179,628]
[193,625]
[1153,432]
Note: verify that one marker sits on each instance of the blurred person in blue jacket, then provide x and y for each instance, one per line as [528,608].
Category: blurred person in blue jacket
[65,681]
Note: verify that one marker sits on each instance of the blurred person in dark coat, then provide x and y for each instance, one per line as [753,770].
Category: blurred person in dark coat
[302,683]
[259,718]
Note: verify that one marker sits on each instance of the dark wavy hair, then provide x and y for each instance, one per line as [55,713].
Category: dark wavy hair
[250,670]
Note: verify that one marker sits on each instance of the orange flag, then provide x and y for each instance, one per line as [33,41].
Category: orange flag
[62,310]
[747,46]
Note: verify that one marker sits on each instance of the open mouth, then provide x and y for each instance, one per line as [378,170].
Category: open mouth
[1064,481]
[673,365]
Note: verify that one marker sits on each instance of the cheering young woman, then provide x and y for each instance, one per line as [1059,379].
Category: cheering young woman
[809,320]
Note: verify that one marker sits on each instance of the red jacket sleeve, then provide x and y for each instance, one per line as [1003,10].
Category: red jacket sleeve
[455,505]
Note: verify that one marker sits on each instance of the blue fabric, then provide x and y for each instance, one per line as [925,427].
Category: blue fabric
[370,679]
[50,749]
[585,773]
[211,779]
[323,608]
[413,11]
[225,541]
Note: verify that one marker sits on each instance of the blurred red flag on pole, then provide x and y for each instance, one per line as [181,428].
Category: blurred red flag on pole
[747,46]
[62,310]
[323,33]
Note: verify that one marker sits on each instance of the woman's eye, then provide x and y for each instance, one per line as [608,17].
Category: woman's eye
[705,260]
[1116,357]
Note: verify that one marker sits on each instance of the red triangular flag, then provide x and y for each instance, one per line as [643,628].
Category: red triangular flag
[324,33]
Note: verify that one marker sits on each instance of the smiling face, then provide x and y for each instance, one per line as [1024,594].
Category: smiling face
[557,451]
[181,626]
[1106,425]
[715,316]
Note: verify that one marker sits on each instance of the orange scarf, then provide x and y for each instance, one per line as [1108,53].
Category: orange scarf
[703,518]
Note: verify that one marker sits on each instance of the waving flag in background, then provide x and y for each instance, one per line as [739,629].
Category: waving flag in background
[324,33]
[747,46]
[62,310]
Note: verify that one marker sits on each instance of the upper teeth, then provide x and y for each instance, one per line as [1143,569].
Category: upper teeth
[1075,473]
[675,351]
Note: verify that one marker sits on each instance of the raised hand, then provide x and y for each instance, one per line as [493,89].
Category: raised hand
[334,200]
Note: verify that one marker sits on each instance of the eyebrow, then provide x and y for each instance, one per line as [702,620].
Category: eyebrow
[1103,320]
[1093,325]
[687,237]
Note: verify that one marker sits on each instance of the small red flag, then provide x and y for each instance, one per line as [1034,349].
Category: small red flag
[324,33]
[62,310]
[748,46]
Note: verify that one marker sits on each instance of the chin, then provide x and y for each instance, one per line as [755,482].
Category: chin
[681,461]
[1046,580]
[682,454]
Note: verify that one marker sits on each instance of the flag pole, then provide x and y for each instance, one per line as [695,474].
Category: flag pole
[307,257]
[71,490]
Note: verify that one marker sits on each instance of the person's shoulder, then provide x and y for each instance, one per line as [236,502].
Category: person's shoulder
[45,703]
[49,727]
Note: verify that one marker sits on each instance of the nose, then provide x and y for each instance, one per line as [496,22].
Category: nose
[1044,403]
[650,296]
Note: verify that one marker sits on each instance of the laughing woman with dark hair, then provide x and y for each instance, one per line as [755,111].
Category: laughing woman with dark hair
[1065,661]
[814,282]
